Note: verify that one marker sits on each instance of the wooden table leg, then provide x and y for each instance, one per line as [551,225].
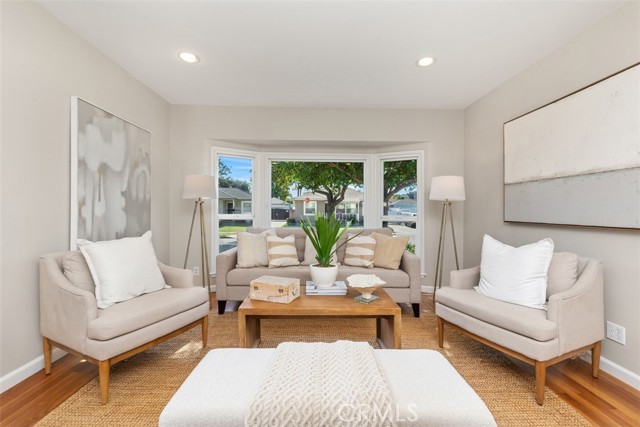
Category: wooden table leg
[388,331]
[248,330]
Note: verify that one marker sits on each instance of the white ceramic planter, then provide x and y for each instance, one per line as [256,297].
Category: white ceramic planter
[323,277]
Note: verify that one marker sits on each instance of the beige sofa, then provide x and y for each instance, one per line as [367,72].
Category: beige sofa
[572,323]
[70,318]
[232,283]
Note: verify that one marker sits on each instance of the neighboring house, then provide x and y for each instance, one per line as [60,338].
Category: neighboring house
[309,204]
[233,201]
[280,209]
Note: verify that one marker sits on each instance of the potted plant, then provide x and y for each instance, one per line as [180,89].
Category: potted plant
[324,236]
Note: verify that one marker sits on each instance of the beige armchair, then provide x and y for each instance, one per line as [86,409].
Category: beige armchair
[71,320]
[572,324]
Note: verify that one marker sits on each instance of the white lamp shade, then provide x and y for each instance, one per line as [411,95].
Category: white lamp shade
[198,187]
[449,188]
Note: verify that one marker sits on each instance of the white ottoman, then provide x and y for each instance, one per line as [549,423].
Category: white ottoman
[427,389]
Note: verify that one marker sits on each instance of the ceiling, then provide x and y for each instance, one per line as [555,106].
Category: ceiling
[341,54]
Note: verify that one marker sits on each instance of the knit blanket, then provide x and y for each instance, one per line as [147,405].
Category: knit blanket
[323,384]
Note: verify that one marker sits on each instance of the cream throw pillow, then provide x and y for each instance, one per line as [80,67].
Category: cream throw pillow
[389,250]
[252,249]
[360,251]
[515,275]
[282,251]
[310,254]
[122,269]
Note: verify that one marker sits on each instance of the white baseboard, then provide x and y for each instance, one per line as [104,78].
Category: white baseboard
[25,371]
[426,289]
[613,369]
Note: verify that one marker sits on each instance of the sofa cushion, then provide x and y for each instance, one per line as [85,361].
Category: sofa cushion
[77,271]
[515,275]
[530,322]
[360,251]
[342,247]
[282,251]
[563,272]
[122,269]
[297,233]
[242,276]
[392,278]
[389,250]
[310,254]
[137,313]
[252,249]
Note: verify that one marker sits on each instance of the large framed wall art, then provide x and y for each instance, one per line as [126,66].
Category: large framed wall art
[576,161]
[110,175]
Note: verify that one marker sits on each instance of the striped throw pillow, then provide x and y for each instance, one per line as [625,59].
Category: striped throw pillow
[360,251]
[282,251]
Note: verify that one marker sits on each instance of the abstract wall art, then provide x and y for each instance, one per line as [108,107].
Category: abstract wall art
[576,161]
[110,175]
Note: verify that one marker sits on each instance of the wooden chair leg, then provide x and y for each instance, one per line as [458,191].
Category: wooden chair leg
[46,348]
[440,332]
[595,359]
[205,331]
[103,371]
[541,377]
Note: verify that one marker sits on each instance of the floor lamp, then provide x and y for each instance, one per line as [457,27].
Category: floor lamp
[446,189]
[200,188]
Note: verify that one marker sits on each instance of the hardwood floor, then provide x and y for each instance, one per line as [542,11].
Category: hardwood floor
[605,401]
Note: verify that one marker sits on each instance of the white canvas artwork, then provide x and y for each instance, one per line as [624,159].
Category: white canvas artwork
[576,161]
[110,175]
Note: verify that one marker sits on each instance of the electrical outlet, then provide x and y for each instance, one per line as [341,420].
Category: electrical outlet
[615,333]
[196,271]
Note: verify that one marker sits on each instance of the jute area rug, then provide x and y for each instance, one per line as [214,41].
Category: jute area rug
[142,385]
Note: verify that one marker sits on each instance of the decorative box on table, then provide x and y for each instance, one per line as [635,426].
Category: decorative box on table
[274,289]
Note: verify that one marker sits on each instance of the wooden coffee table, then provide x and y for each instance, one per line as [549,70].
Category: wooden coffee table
[384,310]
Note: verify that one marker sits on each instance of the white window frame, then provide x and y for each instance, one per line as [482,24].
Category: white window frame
[309,204]
[256,191]
[243,203]
[372,203]
[367,160]
[420,220]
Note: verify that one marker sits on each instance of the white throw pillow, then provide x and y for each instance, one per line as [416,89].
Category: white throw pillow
[122,269]
[252,249]
[310,254]
[282,251]
[515,275]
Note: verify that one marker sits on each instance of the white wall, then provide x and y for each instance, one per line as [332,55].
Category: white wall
[43,65]
[607,47]
[193,129]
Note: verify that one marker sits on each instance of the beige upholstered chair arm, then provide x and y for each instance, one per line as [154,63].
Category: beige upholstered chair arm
[410,264]
[176,277]
[225,262]
[465,279]
[579,311]
[65,310]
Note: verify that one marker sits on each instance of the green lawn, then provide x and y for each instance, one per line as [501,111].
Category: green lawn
[229,230]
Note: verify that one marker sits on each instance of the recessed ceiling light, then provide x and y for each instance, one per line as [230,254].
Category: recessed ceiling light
[188,57]
[425,62]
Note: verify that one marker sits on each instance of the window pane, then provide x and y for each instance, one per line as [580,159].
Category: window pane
[305,188]
[234,185]
[228,233]
[401,228]
[234,198]
[399,190]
